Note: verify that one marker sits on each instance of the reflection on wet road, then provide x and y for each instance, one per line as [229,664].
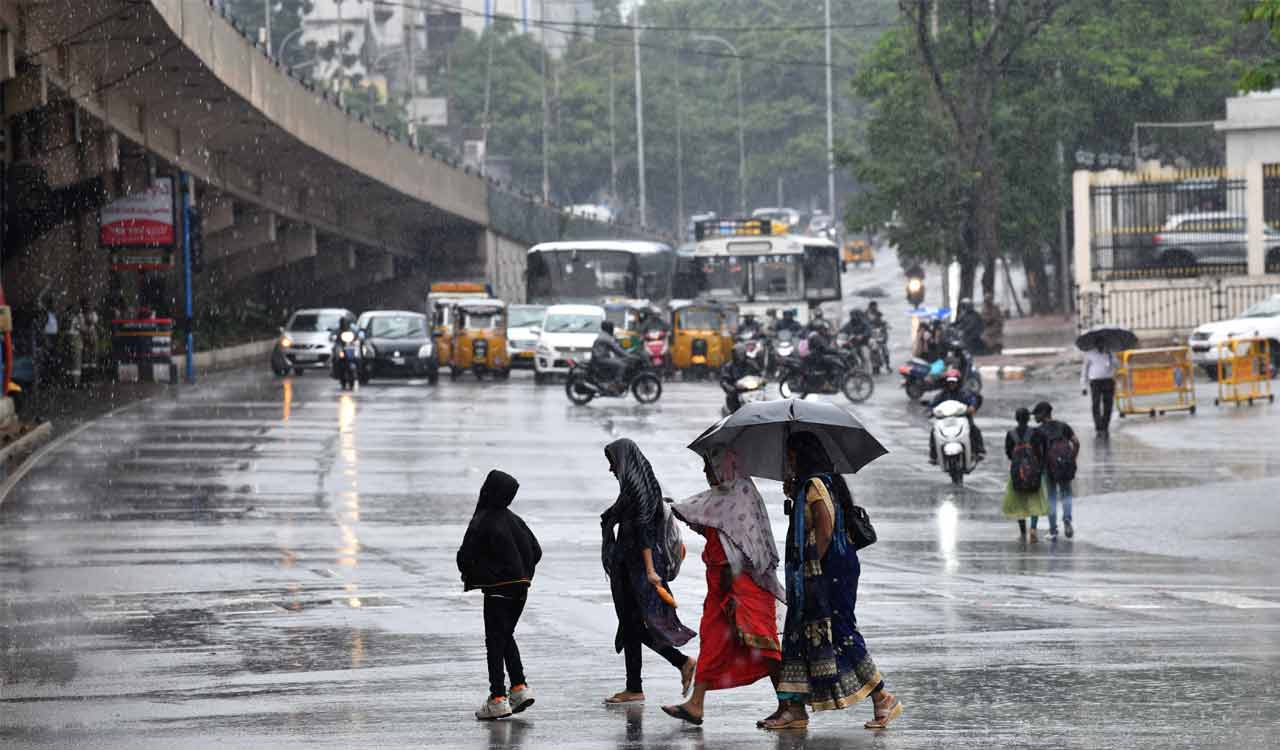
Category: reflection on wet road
[270,562]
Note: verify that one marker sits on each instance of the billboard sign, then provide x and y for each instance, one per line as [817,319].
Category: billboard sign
[142,219]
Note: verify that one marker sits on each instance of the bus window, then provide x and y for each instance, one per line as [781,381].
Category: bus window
[777,278]
[821,273]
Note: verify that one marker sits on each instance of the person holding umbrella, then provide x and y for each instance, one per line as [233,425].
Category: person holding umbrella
[1097,375]
[637,566]
[739,631]
[808,445]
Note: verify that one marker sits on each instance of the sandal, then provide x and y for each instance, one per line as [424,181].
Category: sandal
[686,676]
[682,713]
[778,712]
[885,713]
[624,697]
[787,718]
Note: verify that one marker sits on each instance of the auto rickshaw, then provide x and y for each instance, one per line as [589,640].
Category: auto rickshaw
[698,338]
[441,302]
[626,323]
[479,340]
[857,252]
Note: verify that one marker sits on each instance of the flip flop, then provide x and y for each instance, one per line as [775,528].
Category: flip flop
[775,725]
[615,700]
[679,712]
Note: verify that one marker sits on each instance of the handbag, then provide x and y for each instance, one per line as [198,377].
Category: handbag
[857,522]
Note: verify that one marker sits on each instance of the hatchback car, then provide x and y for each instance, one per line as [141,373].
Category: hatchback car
[397,342]
[306,339]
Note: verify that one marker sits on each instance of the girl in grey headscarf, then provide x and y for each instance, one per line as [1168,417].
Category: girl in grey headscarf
[637,566]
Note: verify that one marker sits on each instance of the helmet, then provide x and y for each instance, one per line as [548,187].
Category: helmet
[788,314]
[607,327]
[817,313]
[952,377]
[739,353]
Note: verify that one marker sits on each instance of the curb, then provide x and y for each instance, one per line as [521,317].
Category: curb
[1004,372]
[46,445]
[16,457]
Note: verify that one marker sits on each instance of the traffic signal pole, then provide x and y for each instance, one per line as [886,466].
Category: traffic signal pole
[185,182]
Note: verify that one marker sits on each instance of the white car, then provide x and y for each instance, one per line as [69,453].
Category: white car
[568,331]
[524,326]
[1259,321]
[305,340]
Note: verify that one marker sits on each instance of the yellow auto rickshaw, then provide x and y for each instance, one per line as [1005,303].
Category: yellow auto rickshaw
[442,300]
[626,323]
[857,252]
[479,342]
[698,343]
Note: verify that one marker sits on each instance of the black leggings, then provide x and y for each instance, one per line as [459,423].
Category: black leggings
[635,634]
[502,610]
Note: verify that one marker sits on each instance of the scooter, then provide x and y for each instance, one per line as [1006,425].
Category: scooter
[783,348]
[921,376]
[346,359]
[757,348]
[658,351]
[583,385]
[951,436]
[745,390]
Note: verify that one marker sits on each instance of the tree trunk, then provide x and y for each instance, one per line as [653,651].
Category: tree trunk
[986,209]
[1037,281]
[968,272]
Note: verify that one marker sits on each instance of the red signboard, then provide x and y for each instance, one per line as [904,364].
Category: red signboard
[142,219]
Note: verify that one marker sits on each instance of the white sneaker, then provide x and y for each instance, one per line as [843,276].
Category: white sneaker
[494,708]
[520,698]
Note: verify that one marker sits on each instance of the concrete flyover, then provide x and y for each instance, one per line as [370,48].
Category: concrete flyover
[302,201]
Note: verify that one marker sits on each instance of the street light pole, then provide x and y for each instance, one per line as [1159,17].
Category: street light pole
[742,140]
[546,111]
[266,12]
[635,46]
[831,142]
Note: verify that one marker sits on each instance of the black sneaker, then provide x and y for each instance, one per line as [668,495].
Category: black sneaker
[1067,529]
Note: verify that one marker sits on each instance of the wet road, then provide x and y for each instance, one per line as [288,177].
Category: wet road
[270,562]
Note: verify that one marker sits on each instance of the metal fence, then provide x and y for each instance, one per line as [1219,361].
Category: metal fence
[1271,214]
[1186,225]
[1169,309]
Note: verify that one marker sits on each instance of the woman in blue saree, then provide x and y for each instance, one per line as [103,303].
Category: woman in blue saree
[825,663]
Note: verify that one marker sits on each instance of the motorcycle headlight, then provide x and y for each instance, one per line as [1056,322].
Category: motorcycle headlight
[425,351]
[347,337]
[286,343]
[914,285]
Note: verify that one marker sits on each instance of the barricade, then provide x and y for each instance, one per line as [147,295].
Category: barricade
[1244,371]
[1155,381]
[143,350]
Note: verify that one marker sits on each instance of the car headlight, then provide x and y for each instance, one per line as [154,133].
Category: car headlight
[286,343]
[424,351]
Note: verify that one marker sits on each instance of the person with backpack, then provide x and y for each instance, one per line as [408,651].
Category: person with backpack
[498,556]
[1024,495]
[640,561]
[1061,449]
[739,629]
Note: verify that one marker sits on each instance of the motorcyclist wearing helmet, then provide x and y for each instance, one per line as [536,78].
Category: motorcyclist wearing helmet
[739,366]
[789,323]
[874,316]
[749,325]
[608,358]
[952,390]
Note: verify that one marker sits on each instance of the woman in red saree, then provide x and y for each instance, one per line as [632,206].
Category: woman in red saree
[739,629]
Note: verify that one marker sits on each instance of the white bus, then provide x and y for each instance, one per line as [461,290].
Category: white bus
[597,272]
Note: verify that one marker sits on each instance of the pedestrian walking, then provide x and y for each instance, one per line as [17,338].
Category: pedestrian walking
[738,634]
[49,338]
[89,333]
[638,566]
[1061,450]
[498,556]
[825,662]
[1024,493]
[1098,376]
[75,345]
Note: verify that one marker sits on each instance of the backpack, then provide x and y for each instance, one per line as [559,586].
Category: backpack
[672,540]
[1024,464]
[1060,459]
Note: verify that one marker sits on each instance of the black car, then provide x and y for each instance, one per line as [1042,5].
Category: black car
[398,342]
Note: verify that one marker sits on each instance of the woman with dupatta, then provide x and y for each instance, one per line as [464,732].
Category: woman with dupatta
[637,566]
[739,629]
[825,662]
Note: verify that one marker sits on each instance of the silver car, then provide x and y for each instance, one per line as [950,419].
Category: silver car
[305,340]
[1206,238]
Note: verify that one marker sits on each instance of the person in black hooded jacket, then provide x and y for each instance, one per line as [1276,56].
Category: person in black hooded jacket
[498,556]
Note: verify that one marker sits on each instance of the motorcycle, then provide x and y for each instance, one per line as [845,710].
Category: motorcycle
[953,441]
[920,376]
[851,348]
[804,376]
[783,348]
[744,390]
[757,348]
[346,360]
[879,347]
[658,351]
[583,384]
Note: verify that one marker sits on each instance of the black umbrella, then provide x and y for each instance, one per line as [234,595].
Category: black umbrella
[758,434]
[1112,338]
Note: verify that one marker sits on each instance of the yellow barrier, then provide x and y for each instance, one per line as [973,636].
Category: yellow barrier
[1155,381]
[1244,371]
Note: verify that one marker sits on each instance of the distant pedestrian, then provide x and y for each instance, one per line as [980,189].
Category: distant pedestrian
[498,556]
[75,345]
[825,662]
[1024,493]
[89,333]
[1061,450]
[738,635]
[1099,375]
[638,566]
[49,337]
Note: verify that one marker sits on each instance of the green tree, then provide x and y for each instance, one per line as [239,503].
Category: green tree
[1265,75]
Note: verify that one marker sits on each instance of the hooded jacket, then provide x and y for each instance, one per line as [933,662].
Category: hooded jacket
[498,548]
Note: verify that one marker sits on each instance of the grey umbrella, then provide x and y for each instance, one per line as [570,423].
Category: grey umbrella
[758,434]
[1112,338]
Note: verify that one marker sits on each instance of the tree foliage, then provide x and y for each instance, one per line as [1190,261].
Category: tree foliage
[1265,75]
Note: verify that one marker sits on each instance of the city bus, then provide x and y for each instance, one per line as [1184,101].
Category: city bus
[759,266]
[599,272]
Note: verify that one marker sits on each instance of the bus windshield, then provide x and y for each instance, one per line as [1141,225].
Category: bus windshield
[587,275]
[777,278]
[821,273]
[718,278]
